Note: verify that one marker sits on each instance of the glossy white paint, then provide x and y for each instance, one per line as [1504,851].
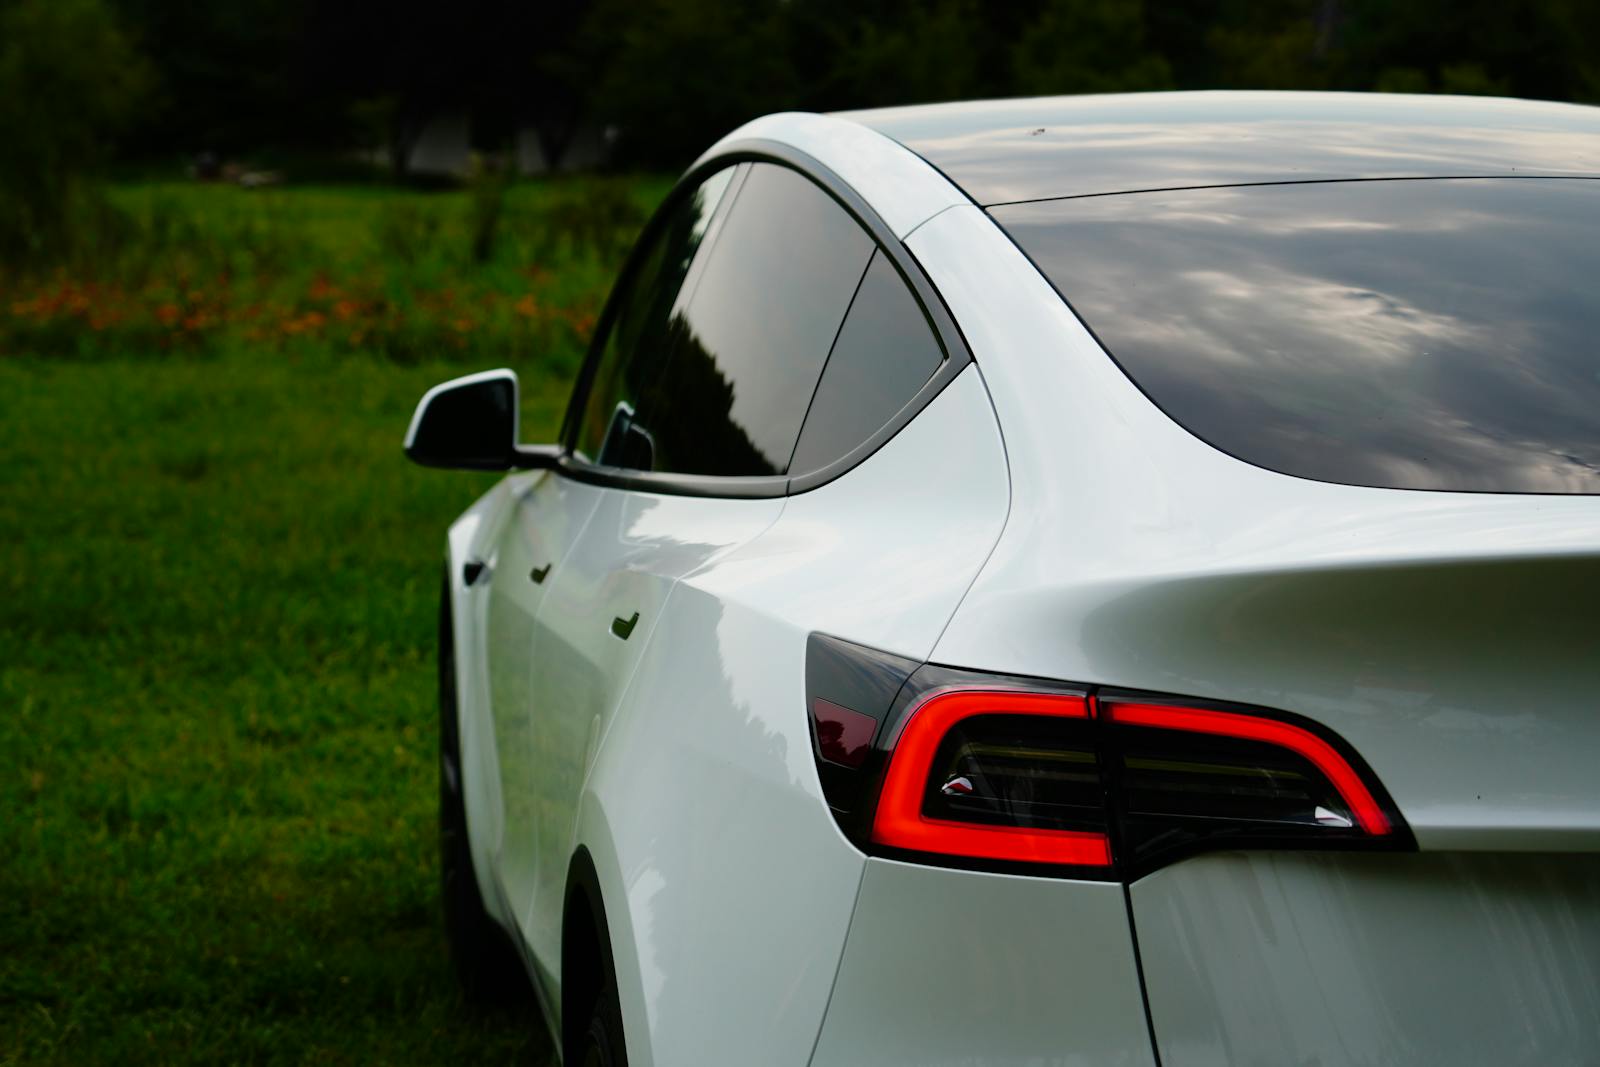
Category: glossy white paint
[732,886]
[959,967]
[546,518]
[470,537]
[1273,958]
[635,547]
[1139,556]
[903,189]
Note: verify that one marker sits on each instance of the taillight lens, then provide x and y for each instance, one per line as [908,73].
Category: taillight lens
[996,775]
[971,770]
[1277,774]
[1203,777]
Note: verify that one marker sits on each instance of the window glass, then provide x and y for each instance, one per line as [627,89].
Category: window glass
[752,332]
[1439,334]
[886,351]
[636,345]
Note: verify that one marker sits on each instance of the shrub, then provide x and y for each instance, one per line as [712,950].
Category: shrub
[69,80]
[199,270]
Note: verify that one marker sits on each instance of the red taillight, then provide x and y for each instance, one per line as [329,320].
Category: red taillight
[843,736]
[903,820]
[937,765]
[1007,844]
[1366,810]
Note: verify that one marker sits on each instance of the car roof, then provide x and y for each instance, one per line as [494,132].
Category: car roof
[1004,151]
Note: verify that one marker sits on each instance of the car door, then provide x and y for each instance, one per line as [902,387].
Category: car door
[543,518]
[694,443]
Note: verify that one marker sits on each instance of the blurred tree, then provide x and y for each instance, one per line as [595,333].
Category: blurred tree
[1401,80]
[920,53]
[1088,46]
[671,75]
[1536,48]
[560,72]
[228,80]
[395,64]
[676,74]
[508,64]
[1275,44]
[1470,79]
[1577,23]
[69,81]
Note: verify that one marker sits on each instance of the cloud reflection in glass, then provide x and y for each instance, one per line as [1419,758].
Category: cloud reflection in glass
[1435,334]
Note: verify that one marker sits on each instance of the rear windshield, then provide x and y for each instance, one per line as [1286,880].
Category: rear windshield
[1440,334]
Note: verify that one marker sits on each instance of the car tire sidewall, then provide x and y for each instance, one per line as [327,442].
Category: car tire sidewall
[603,1044]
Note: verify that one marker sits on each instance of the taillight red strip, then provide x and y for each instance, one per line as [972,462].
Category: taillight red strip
[1073,848]
[899,822]
[1368,813]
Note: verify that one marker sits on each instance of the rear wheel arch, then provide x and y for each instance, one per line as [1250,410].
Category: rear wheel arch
[588,971]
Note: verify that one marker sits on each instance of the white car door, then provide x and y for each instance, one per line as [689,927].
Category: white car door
[595,623]
[544,517]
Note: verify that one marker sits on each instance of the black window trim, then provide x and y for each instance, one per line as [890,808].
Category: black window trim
[956,353]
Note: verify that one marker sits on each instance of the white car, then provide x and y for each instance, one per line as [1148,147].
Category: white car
[1108,580]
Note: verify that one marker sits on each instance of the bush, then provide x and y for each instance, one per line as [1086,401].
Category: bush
[202,270]
[69,80]
[407,234]
[596,218]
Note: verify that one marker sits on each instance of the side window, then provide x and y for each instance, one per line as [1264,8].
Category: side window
[886,351]
[751,333]
[635,348]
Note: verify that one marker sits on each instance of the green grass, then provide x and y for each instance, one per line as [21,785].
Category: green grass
[218,580]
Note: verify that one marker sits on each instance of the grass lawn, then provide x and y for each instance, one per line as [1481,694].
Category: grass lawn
[217,609]
[218,580]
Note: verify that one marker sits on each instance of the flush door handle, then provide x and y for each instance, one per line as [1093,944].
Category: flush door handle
[623,628]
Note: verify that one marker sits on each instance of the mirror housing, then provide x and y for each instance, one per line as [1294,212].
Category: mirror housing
[470,423]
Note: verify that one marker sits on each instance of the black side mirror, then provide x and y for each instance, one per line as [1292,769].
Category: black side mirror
[470,423]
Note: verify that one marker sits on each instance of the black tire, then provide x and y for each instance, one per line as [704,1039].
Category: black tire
[603,1044]
[486,962]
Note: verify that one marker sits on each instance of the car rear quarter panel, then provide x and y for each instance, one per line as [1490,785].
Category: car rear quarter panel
[1444,635]
[728,885]
[963,967]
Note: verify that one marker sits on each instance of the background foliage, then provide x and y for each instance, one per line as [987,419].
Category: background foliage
[68,76]
[668,76]
[217,576]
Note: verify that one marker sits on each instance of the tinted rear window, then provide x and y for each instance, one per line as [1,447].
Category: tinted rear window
[750,343]
[1440,334]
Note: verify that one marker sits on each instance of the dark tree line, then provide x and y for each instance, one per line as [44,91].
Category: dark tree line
[668,76]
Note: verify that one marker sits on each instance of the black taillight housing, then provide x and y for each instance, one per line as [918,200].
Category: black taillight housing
[957,768]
